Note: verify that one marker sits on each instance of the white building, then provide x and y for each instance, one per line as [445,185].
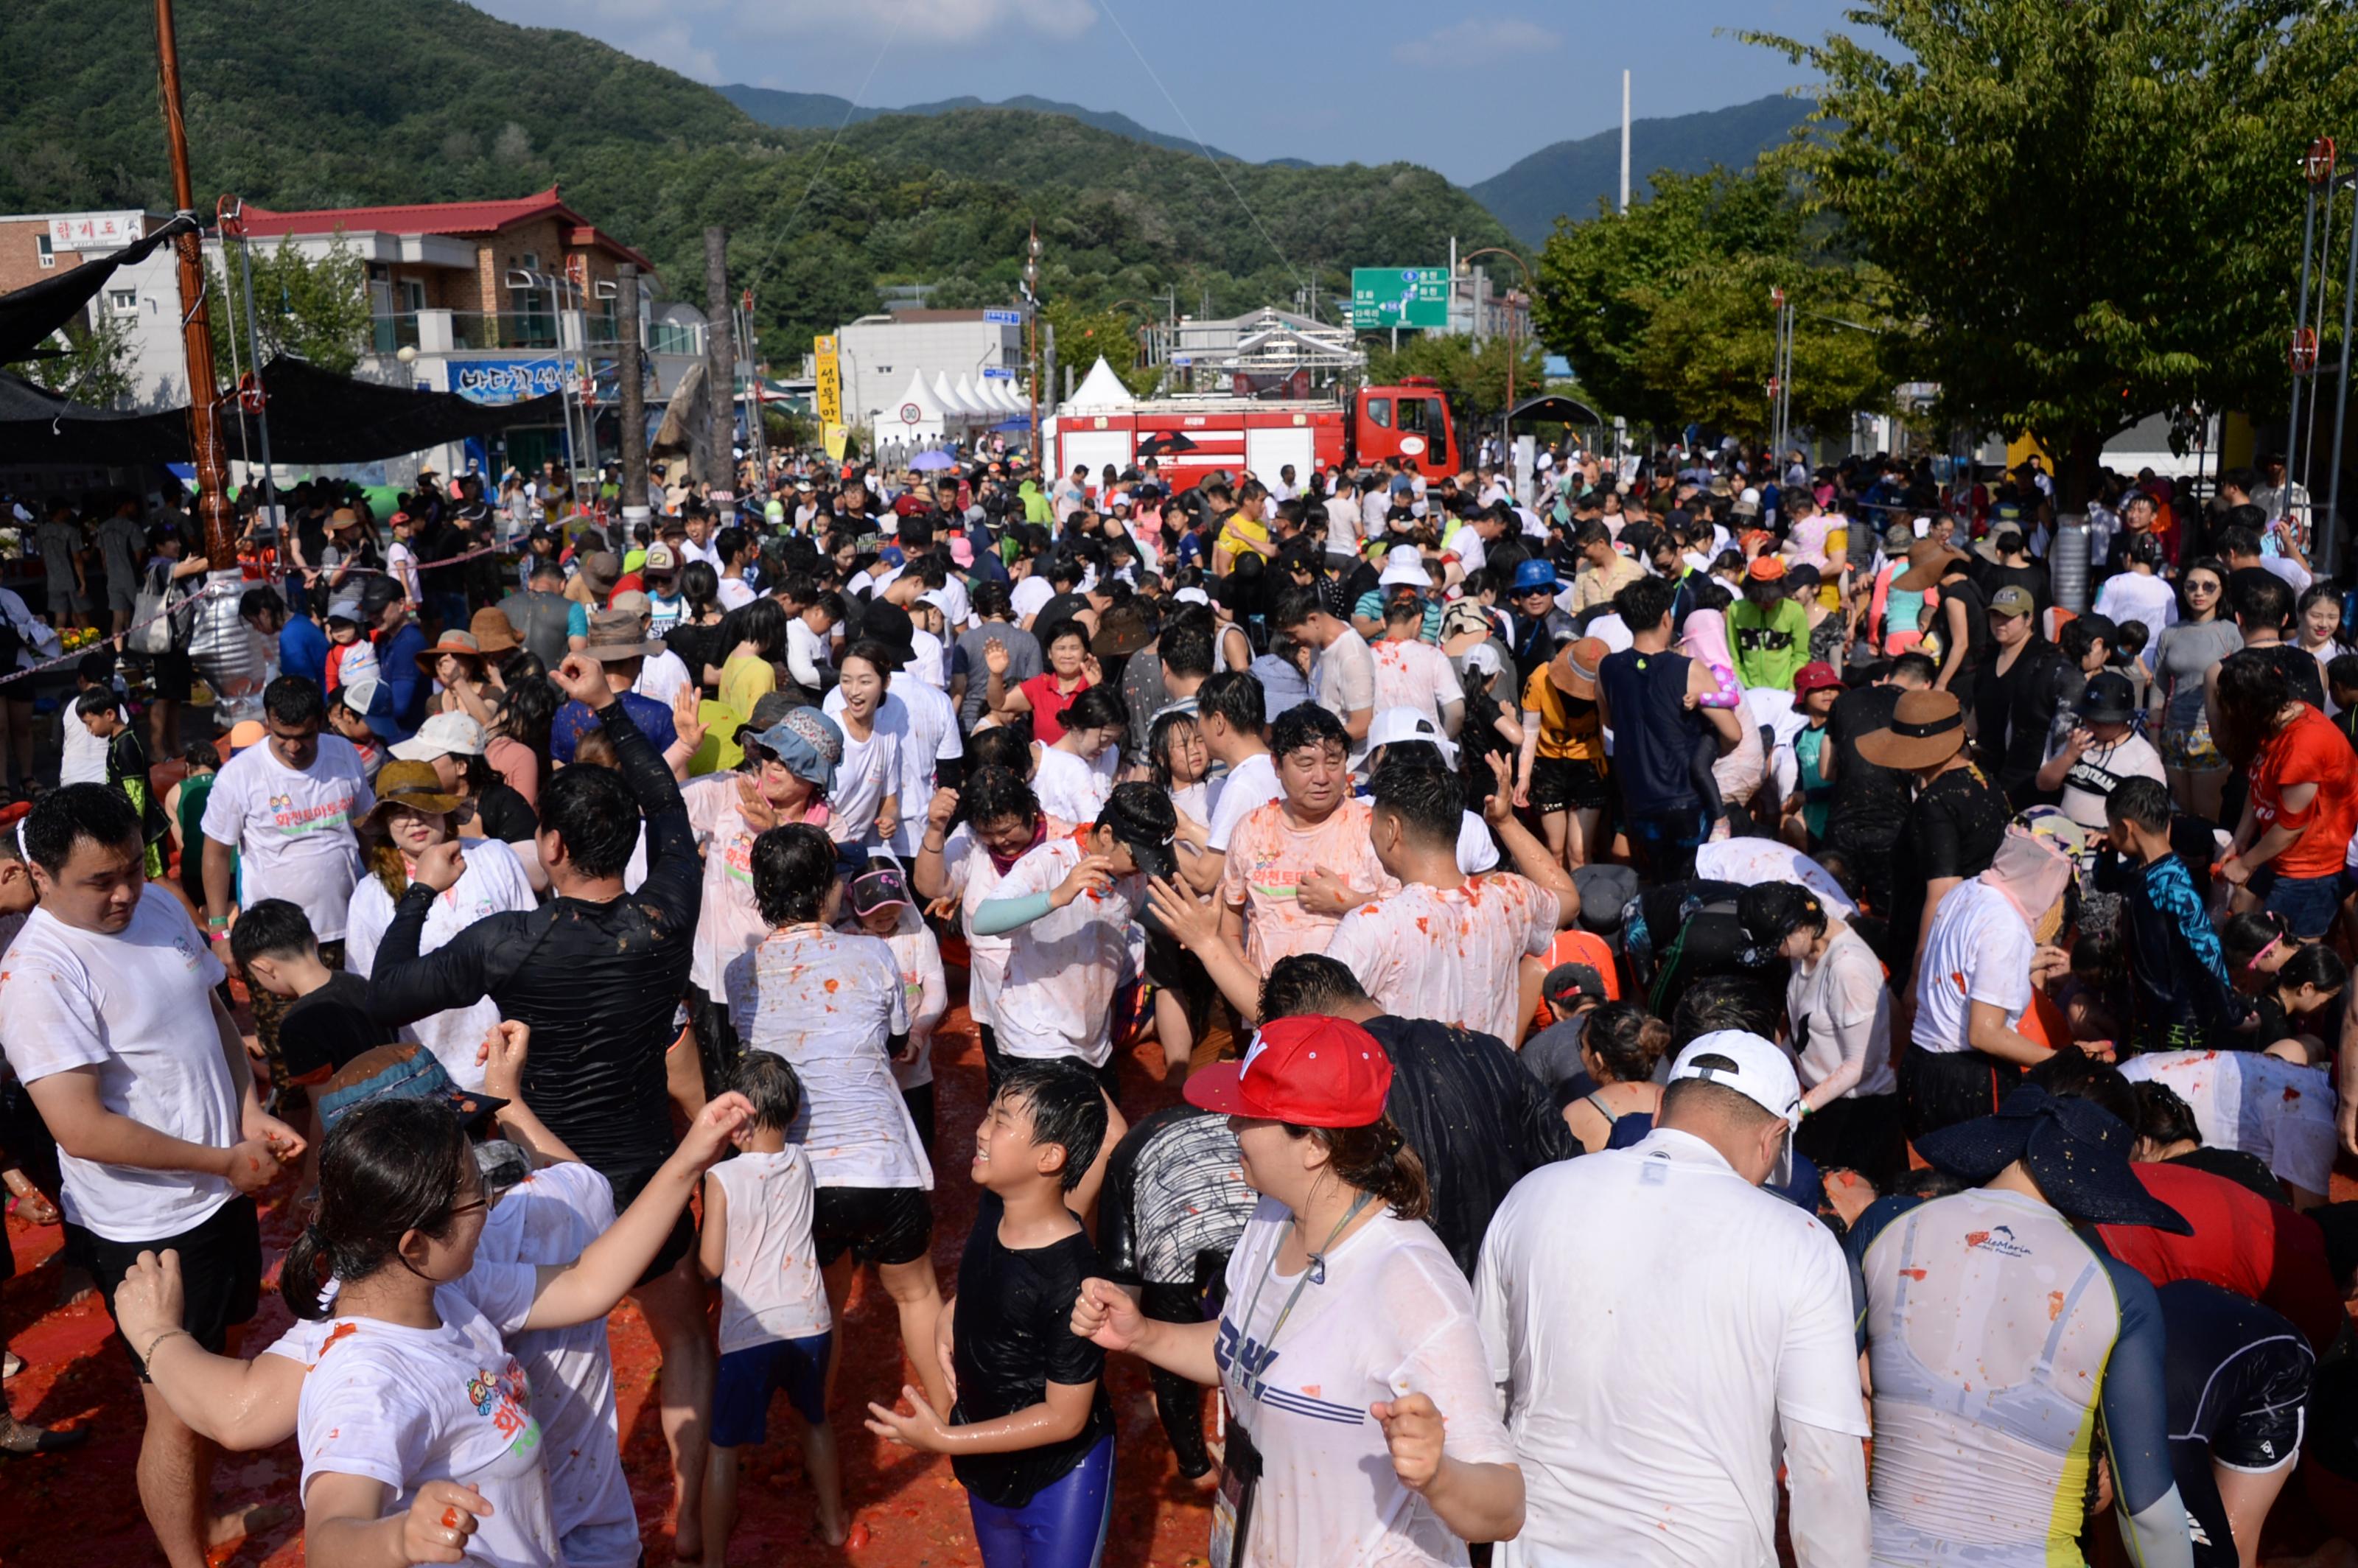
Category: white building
[879,354]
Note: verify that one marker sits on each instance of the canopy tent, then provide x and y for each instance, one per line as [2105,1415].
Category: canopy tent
[953,406]
[1101,389]
[1555,409]
[916,415]
[31,314]
[974,402]
[316,416]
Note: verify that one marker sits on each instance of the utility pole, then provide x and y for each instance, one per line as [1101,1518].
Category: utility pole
[1032,330]
[1625,142]
[633,413]
[205,449]
[254,352]
[720,368]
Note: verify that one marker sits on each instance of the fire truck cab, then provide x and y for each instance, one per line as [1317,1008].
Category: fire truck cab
[1193,437]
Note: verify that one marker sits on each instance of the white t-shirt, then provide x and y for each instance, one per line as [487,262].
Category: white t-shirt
[293,832]
[923,727]
[770,1284]
[1064,967]
[662,677]
[1069,787]
[1391,1317]
[1978,950]
[1653,1317]
[1030,597]
[1842,998]
[1415,674]
[493,882]
[1343,681]
[1252,785]
[2280,1111]
[84,757]
[404,1406]
[829,1002]
[1748,862]
[2141,597]
[973,880]
[928,662]
[1450,953]
[138,1006]
[401,562]
[2090,782]
[869,771]
[734,593]
[927,990]
[808,653]
[729,922]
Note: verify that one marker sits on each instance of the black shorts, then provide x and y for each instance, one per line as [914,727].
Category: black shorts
[995,1062]
[876,1225]
[1567,783]
[175,674]
[1942,1088]
[627,1187]
[220,1270]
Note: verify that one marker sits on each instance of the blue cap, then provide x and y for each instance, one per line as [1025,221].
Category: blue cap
[807,742]
[1534,574]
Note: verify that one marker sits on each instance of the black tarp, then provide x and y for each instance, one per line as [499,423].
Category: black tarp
[316,416]
[29,315]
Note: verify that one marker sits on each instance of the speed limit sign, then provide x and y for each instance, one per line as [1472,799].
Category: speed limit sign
[911,414]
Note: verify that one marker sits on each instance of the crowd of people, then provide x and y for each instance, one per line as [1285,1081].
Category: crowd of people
[1659,1014]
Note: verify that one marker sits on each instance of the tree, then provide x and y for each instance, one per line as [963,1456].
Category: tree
[1600,282]
[1709,342]
[1082,335]
[96,368]
[2092,207]
[317,310]
[1475,376]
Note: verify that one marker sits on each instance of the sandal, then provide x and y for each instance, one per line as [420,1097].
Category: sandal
[34,1208]
[21,1439]
[10,1364]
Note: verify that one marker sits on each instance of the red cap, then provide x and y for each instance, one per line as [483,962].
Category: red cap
[1310,1071]
[1815,676]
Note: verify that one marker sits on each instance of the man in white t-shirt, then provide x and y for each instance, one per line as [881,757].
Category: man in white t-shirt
[1231,718]
[1667,1334]
[279,824]
[1965,1045]
[108,1015]
[1343,678]
[663,676]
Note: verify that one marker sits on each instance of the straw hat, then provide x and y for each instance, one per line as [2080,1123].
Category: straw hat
[1926,729]
[492,630]
[462,644]
[1927,559]
[413,785]
[1573,670]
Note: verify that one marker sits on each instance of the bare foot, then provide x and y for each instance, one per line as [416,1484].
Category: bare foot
[75,1285]
[241,1524]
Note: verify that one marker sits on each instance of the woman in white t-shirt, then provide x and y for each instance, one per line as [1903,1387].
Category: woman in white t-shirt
[1074,773]
[961,863]
[411,815]
[1838,1006]
[1348,1336]
[865,806]
[416,1428]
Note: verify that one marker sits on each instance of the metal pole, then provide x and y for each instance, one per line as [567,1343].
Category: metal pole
[757,421]
[632,412]
[2329,523]
[1625,142]
[196,324]
[2324,286]
[2299,326]
[254,352]
[721,346]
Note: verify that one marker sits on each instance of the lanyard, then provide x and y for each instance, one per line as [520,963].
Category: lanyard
[1315,1267]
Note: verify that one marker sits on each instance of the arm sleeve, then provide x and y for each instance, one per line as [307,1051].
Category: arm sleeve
[800,666]
[2136,1429]
[932,987]
[405,987]
[997,917]
[675,876]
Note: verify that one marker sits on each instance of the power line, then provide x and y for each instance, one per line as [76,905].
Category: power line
[1156,77]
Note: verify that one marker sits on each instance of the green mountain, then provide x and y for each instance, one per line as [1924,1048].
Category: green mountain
[825,112]
[295,104]
[1570,178]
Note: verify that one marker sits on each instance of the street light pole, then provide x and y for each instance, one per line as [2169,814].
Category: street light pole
[1505,420]
[1032,330]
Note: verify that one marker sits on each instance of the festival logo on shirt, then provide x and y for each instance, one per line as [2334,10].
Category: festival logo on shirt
[502,1397]
[293,820]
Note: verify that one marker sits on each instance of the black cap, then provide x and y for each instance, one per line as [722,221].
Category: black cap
[1142,817]
[2108,699]
[1568,985]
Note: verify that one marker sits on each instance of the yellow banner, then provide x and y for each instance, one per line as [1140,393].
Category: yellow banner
[835,437]
[830,383]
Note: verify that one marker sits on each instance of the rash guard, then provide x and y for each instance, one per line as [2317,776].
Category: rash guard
[1995,1334]
[598,983]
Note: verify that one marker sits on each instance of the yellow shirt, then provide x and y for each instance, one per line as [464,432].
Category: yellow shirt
[1566,735]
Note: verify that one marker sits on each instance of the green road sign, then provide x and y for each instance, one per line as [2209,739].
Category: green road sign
[1400,297]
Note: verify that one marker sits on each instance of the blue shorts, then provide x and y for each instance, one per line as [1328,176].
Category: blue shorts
[2307,903]
[741,1393]
[1064,1525]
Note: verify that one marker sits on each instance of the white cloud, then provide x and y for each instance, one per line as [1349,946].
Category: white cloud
[691,34]
[1477,39]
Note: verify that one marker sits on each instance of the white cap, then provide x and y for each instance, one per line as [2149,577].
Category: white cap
[357,694]
[1410,724]
[1484,656]
[1192,596]
[1756,1068]
[445,734]
[1403,567]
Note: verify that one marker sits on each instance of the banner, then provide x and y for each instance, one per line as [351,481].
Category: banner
[830,382]
[509,381]
[835,437]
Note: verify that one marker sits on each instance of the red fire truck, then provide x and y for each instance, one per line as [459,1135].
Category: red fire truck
[1192,438]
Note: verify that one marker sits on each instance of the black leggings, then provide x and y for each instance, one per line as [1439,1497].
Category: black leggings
[1178,1400]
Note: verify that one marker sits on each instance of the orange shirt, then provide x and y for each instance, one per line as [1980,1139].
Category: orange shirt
[2310,749]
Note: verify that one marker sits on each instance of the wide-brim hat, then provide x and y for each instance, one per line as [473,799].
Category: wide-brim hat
[2075,1149]
[462,644]
[1926,729]
[602,570]
[1124,630]
[1928,561]
[492,630]
[614,635]
[413,785]
[1573,670]
[806,741]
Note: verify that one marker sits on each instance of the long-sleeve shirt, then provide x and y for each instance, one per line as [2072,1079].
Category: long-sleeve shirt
[597,983]
[2180,998]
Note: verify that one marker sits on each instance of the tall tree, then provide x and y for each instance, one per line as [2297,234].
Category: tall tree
[1709,342]
[2094,207]
[316,310]
[1475,377]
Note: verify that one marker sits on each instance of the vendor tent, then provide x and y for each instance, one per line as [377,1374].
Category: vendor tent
[1101,389]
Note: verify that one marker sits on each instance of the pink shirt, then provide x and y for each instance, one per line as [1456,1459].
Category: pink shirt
[1268,858]
[1450,953]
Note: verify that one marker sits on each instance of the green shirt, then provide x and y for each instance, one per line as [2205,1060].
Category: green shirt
[1770,646]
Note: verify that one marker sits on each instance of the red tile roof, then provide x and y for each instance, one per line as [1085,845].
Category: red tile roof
[438,217]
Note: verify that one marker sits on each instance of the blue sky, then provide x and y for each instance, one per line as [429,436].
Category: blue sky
[1467,91]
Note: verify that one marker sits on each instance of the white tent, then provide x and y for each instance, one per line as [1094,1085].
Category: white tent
[976,403]
[993,394]
[1100,389]
[1010,398]
[915,415]
[954,408]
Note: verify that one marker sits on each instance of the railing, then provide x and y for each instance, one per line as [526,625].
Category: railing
[503,329]
[395,333]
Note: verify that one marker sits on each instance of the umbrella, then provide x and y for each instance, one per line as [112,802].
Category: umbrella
[1160,446]
[927,462]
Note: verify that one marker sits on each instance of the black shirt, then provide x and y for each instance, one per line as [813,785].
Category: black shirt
[1174,1200]
[502,814]
[321,1033]
[1014,1336]
[2016,708]
[2247,1171]
[598,983]
[1480,1122]
[1953,830]
[1870,805]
